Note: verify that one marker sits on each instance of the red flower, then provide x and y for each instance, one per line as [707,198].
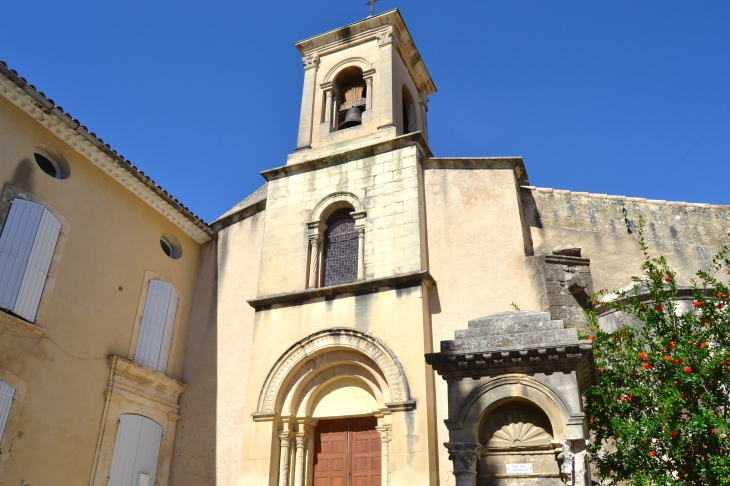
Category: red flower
[702,345]
[646,366]
[671,345]
[683,396]
[659,308]
[720,306]
[590,338]
[608,470]
[672,434]
[719,294]
[669,359]
[643,356]
[727,299]
[599,369]
[667,279]
[675,382]
[697,304]
[687,369]
[592,419]
[652,453]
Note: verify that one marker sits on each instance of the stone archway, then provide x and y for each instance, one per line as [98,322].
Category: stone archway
[298,379]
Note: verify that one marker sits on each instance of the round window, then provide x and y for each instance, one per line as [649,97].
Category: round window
[170,246]
[51,162]
[47,165]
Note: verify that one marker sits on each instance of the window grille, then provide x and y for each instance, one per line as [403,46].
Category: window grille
[340,251]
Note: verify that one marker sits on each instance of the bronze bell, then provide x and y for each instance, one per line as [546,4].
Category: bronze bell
[353,117]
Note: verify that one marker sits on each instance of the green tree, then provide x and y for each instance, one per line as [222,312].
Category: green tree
[658,413]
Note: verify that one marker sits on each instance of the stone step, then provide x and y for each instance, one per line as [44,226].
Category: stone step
[505,320]
[494,342]
[508,328]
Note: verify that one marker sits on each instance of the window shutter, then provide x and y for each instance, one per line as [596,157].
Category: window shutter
[36,272]
[7,393]
[155,333]
[136,450]
[16,242]
[167,334]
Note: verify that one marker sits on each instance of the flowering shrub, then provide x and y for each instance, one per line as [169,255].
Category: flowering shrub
[659,413]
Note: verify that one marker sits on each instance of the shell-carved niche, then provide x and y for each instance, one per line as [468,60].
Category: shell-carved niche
[517,433]
[515,425]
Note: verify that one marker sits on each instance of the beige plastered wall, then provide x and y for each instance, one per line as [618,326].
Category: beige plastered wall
[688,235]
[113,240]
[395,316]
[476,252]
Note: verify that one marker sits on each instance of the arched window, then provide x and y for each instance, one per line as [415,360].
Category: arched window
[409,111]
[340,248]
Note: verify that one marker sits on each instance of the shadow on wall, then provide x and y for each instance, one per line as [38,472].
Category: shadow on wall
[23,175]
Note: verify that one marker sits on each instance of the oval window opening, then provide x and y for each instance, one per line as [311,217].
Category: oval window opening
[170,246]
[47,165]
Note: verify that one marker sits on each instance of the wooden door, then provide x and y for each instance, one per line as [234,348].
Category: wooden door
[364,452]
[330,453]
[347,452]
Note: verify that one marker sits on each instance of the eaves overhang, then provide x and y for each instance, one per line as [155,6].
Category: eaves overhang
[44,110]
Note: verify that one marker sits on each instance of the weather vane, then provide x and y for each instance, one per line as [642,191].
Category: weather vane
[371,3]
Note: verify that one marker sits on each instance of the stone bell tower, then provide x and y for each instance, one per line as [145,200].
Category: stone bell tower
[363,83]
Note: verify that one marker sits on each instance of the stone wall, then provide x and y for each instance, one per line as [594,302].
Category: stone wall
[687,234]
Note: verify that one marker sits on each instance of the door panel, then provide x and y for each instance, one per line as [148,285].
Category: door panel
[347,452]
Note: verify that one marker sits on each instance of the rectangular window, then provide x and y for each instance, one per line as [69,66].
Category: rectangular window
[27,243]
[7,393]
[158,321]
[136,451]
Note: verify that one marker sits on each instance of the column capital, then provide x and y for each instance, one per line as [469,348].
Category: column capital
[385,432]
[285,438]
[310,61]
[302,439]
[387,37]
[464,455]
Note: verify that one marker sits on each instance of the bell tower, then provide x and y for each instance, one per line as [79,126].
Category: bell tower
[363,83]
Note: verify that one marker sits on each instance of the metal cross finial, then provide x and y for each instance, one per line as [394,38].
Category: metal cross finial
[371,3]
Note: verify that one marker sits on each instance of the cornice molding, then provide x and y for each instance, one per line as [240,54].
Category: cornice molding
[145,382]
[72,133]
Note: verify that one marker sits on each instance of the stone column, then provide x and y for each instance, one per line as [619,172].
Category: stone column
[385,438]
[285,438]
[328,108]
[386,99]
[465,456]
[301,440]
[313,280]
[359,217]
[304,139]
[423,101]
[581,474]
[369,98]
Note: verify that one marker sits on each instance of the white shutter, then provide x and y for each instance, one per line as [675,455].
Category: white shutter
[161,302]
[36,272]
[167,333]
[16,243]
[136,450]
[7,393]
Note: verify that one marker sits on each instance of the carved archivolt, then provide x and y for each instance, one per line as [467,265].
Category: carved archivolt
[288,381]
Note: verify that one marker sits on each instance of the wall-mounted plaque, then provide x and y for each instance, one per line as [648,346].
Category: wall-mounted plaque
[519,468]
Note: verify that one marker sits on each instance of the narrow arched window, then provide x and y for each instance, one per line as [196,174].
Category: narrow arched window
[340,249]
[409,112]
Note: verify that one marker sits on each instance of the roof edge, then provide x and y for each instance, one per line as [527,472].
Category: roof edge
[70,131]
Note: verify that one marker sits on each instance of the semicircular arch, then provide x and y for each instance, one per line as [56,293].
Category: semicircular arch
[334,201]
[298,366]
[483,399]
[360,62]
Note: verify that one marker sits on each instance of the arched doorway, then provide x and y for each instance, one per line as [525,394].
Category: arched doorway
[334,392]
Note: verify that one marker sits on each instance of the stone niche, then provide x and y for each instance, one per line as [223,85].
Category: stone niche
[517,435]
[514,393]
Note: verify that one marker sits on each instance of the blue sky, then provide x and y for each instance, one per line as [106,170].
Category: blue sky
[598,96]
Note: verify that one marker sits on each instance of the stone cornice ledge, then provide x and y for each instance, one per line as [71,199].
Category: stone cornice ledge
[353,287]
[514,163]
[144,380]
[411,139]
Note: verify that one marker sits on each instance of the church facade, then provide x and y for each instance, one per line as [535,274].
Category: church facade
[354,321]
